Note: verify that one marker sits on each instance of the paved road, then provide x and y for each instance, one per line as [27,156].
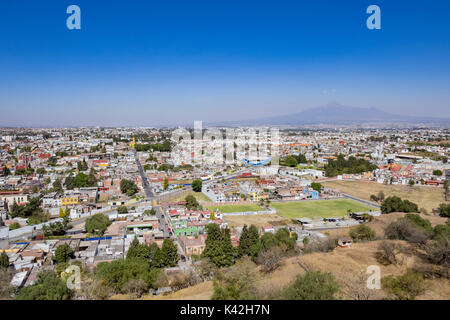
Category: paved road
[162,219]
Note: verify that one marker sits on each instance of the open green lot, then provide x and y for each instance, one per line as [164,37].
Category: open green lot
[318,208]
[236,208]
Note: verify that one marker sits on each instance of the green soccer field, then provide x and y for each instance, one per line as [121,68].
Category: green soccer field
[318,208]
[236,208]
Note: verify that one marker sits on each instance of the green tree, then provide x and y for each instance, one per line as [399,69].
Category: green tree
[63,253]
[197,185]
[4,260]
[437,173]
[249,242]
[218,247]
[47,287]
[122,210]
[316,186]
[444,210]
[191,202]
[311,286]
[290,161]
[97,224]
[138,251]
[396,204]
[170,253]
[362,233]
[128,187]
[166,183]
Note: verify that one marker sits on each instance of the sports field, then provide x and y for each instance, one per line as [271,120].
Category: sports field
[318,208]
[236,208]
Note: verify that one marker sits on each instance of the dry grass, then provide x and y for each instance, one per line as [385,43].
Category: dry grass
[378,224]
[425,197]
[258,220]
[346,263]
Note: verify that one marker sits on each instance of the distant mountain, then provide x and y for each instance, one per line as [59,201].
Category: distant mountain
[337,114]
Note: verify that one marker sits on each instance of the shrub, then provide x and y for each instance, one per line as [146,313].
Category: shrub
[438,252]
[441,232]
[387,253]
[404,287]
[311,286]
[320,246]
[135,287]
[444,210]
[47,287]
[236,283]
[402,229]
[270,259]
[418,222]
[362,233]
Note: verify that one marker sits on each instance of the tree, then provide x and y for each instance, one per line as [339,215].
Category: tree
[437,173]
[411,182]
[270,260]
[191,202]
[166,183]
[290,161]
[138,251]
[197,185]
[444,210]
[63,253]
[61,212]
[97,224]
[170,253]
[218,247]
[381,196]
[445,189]
[57,186]
[311,286]
[128,187]
[4,260]
[316,186]
[249,242]
[362,233]
[150,212]
[396,204]
[122,210]
[47,287]
[118,273]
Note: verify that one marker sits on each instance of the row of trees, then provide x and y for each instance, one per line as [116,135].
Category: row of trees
[396,204]
[163,147]
[81,180]
[220,251]
[294,160]
[352,165]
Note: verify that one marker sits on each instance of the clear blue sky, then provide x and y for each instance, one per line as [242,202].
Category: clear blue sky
[165,62]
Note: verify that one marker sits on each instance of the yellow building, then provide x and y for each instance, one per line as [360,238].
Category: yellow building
[69,201]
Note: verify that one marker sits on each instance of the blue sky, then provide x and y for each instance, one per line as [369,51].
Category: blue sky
[166,62]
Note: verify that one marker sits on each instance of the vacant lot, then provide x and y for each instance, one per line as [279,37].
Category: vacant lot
[318,208]
[258,220]
[236,208]
[200,196]
[425,197]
